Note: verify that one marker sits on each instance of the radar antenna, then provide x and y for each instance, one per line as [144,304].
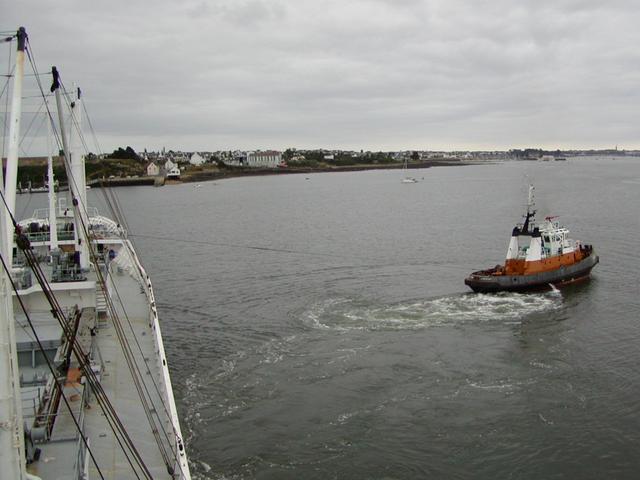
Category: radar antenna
[530,210]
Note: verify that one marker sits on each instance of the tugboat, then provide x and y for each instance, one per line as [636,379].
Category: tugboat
[538,257]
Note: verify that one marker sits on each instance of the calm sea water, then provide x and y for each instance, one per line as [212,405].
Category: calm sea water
[317,326]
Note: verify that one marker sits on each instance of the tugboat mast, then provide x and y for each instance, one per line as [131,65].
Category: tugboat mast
[530,211]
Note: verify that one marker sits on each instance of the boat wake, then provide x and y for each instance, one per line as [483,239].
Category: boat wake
[349,314]
[554,290]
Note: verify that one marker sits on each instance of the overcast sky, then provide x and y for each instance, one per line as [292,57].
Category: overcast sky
[365,74]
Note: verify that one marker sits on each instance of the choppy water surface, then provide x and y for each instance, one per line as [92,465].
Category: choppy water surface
[318,326]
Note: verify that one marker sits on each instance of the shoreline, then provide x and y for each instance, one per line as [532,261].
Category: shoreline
[235,172]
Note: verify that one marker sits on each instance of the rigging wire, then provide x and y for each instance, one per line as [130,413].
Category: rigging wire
[57,311]
[135,337]
[26,206]
[124,342]
[108,199]
[26,133]
[6,83]
[50,366]
[139,382]
[26,97]
[248,247]
[93,132]
[114,420]
[113,205]
[58,140]
[33,137]
[26,75]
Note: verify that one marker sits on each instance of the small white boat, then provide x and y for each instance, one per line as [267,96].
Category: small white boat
[407,178]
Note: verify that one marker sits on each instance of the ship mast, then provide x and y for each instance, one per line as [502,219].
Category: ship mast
[53,222]
[14,139]
[75,180]
[12,457]
[79,177]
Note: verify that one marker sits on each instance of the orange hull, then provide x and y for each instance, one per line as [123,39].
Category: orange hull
[522,267]
[496,280]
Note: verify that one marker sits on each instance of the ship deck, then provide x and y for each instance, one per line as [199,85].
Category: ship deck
[61,457]
[118,384]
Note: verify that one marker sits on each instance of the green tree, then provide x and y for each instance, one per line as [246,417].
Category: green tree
[128,153]
[288,154]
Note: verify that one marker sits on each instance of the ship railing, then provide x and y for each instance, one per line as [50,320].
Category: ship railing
[63,235]
[81,464]
[43,213]
[68,235]
[37,227]
[31,406]
[21,276]
[177,447]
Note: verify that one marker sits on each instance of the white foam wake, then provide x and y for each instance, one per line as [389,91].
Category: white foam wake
[350,314]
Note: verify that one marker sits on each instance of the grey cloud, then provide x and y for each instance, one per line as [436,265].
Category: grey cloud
[366,73]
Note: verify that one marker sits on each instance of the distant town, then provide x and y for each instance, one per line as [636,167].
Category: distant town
[125,166]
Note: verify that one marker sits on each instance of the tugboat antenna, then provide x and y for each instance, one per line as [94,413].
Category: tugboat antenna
[530,211]
[530,202]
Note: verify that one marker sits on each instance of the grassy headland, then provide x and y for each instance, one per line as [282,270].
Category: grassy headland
[132,171]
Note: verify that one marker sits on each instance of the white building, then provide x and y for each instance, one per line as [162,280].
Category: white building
[173,172]
[168,165]
[153,169]
[268,159]
[196,159]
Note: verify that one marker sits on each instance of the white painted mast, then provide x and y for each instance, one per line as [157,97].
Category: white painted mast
[75,181]
[53,221]
[78,174]
[12,456]
[14,139]
[78,168]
